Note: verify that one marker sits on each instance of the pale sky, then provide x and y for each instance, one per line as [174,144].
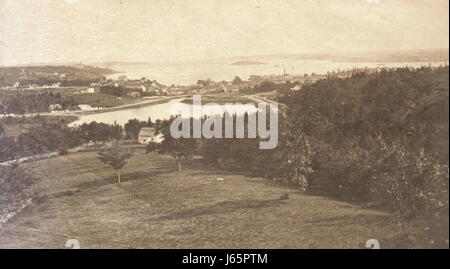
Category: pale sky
[164,30]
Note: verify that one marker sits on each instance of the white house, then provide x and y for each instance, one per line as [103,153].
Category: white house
[86,107]
[147,135]
[56,85]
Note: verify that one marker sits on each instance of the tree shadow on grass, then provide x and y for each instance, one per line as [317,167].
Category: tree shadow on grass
[124,177]
[96,183]
[222,208]
[42,198]
[375,219]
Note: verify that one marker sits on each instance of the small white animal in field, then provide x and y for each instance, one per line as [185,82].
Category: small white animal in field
[72,243]
[219,179]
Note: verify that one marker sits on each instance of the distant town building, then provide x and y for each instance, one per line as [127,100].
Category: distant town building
[236,80]
[234,88]
[56,85]
[147,135]
[86,107]
[134,94]
[53,107]
[156,85]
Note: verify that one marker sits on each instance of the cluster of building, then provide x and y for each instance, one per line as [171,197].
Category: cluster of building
[210,86]
[144,84]
[31,86]
[147,88]
[135,87]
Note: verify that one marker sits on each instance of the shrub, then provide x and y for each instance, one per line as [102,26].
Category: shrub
[15,187]
[414,182]
[63,150]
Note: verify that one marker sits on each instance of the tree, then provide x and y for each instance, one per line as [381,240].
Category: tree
[8,149]
[101,131]
[204,83]
[266,86]
[133,126]
[116,156]
[181,148]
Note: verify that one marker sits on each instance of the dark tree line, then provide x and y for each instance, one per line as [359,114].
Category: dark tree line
[133,126]
[50,137]
[269,86]
[123,91]
[379,137]
[52,134]
[19,102]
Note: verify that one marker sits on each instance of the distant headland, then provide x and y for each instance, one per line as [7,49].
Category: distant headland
[247,63]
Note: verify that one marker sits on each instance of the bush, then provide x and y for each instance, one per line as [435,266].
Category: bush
[8,149]
[15,187]
[414,183]
[63,150]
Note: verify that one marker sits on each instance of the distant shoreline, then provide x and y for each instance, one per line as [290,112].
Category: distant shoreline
[80,113]
[130,106]
[247,63]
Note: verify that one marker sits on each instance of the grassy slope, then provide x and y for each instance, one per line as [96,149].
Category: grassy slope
[220,99]
[105,100]
[159,207]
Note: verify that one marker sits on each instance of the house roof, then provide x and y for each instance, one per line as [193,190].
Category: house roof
[147,131]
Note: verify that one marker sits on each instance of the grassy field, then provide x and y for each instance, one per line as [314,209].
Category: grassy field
[103,100]
[93,99]
[219,99]
[158,207]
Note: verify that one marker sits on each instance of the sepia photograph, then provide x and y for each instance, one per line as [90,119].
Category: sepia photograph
[224,125]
